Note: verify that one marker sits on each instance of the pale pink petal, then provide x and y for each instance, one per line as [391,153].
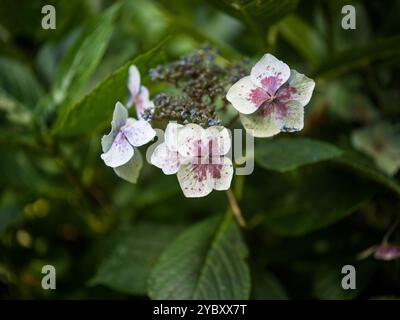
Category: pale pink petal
[142,101]
[138,132]
[171,135]
[190,141]
[119,153]
[219,139]
[194,180]
[245,96]
[223,180]
[130,170]
[270,73]
[303,87]
[120,115]
[133,82]
[292,119]
[165,159]
[259,126]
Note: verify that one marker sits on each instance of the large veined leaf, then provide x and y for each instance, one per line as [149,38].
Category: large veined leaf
[257,12]
[366,167]
[313,200]
[206,261]
[357,56]
[132,257]
[79,63]
[94,110]
[288,154]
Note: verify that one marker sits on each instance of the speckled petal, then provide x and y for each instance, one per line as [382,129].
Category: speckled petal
[220,139]
[245,96]
[119,153]
[226,173]
[292,120]
[259,126]
[269,73]
[138,132]
[190,141]
[165,159]
[120,115]
[303,86]
[190,184]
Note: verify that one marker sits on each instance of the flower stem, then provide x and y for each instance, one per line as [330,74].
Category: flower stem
[235,208]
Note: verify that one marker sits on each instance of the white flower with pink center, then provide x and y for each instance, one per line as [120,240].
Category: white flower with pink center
[119,146]
[272,98]
[138,94]
[198,156]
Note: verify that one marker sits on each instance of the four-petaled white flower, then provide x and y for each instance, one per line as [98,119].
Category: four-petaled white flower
[138,94]
[198,156]
[118,146]
[272,98]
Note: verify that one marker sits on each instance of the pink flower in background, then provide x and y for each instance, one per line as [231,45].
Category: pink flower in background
[139,95]
[272,98]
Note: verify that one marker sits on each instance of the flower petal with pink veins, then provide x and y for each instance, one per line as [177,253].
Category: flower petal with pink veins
[270,73]
[191,185]
[245,96]
[190,141]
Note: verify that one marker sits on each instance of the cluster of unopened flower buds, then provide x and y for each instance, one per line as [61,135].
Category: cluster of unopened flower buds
[195,145]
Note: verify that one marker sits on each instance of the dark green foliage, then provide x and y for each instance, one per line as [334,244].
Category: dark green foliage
[311,206]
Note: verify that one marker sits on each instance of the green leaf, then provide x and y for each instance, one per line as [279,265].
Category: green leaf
[206,261]
[257,12]
[302,37]
[8,214]
[367,168]
[19,83]
[313,200]
[79,63]
[360,55]
[288,154]
[267,287]
[94,111]
[132,257]
[328,280]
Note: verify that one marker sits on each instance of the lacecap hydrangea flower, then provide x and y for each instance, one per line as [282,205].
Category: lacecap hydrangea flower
[119,146]
[138,94]
[381,142]
[272,98]
[197,156]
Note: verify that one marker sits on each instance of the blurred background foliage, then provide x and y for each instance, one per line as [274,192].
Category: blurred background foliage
[312,204]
